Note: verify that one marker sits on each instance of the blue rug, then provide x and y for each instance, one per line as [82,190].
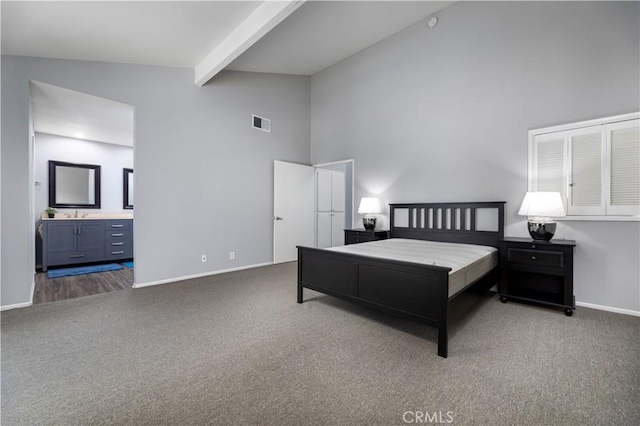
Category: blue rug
[82,270]
[128,264]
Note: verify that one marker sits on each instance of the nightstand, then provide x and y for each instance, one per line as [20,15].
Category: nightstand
[537,271]
[354,236]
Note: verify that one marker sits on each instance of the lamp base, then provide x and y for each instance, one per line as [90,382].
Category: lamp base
[541,230]
[369,223]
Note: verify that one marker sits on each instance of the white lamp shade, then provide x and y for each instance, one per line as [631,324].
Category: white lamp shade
[369,205]
[542,204]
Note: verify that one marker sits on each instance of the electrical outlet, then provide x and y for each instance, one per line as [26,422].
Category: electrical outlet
[204,258]
[232,255]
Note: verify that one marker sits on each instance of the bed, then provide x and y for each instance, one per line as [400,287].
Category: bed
[410,283]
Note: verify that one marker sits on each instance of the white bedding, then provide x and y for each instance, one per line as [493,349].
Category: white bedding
[468,262]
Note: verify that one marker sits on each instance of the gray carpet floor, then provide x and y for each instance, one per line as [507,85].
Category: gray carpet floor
[237,349]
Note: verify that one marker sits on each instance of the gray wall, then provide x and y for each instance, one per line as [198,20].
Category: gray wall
[204,178]
[442,114]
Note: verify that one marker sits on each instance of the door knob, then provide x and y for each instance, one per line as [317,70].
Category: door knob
[277,218]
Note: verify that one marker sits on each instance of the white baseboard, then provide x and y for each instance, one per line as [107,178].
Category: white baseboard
[598,307]
[206,274]
[14,306]
[609,309]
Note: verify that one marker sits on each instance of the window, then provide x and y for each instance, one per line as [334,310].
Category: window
[594,165]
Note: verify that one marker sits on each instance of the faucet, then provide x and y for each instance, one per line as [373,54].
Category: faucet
[76,214]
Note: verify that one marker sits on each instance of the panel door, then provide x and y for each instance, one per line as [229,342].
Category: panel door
[324,230]
[91,236]
[337,192]
[61,237]
[324,191]
[337,229]
[293,210]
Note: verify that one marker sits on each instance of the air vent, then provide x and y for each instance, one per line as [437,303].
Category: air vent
[261,123]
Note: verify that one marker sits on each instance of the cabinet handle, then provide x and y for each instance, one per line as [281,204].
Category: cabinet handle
[117,226]
[74,256]
[533,258]
[117,244]
[533,246]
[117,235]
[117,252]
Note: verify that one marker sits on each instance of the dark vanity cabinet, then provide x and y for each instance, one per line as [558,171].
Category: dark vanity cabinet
[68,242]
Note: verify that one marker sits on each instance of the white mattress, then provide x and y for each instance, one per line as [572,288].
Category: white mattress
[468,262]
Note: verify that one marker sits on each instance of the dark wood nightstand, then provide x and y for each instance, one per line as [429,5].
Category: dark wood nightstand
[537,271]
[354,236]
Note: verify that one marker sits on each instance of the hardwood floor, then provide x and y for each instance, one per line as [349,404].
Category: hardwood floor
[55,289]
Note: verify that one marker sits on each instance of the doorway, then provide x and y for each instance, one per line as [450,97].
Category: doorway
[72,131]
[330,230]
[295,188]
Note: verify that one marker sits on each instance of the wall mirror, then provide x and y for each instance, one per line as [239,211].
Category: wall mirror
[127,188]
[74,185]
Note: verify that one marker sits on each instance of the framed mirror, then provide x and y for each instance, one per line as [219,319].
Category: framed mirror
[74,185]
[127,188]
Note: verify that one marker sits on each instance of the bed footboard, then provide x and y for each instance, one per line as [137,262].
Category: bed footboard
[419,292]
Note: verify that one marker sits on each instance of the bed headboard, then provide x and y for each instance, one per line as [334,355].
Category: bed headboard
[469,223]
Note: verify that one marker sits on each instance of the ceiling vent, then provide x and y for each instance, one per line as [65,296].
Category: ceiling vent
[261,123]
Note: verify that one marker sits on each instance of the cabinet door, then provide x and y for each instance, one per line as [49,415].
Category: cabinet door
[337,192]
[91,236]
[61,237]
[323,200]
[324,230]
[337,229]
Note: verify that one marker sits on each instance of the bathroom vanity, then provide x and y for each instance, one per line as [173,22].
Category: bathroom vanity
[93,238]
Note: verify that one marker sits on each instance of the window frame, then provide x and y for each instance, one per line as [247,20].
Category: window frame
[566,132]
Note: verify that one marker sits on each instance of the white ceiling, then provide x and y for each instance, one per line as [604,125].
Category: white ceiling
[301,38]
[322,33]
[65,112]
[167,33]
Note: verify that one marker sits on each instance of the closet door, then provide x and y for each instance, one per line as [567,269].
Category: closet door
[324,191]
[337,229]
[324,229]
[337,192]
[337,207]
[330,195]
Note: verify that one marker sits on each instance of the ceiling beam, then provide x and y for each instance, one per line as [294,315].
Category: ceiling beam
[266,16]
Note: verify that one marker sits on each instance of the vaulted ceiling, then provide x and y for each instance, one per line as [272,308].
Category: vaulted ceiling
[288,37]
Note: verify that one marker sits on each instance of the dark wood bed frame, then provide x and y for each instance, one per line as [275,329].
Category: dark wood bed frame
[416,291]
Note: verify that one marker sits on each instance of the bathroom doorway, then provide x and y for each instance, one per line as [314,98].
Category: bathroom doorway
[82,163]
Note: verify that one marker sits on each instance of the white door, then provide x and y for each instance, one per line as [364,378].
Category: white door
[293,210]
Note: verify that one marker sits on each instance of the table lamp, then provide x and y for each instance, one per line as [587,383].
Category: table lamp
[369,206]
[540,208]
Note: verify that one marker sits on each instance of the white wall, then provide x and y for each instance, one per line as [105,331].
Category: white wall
[204,177]
[111,159]
[442,114]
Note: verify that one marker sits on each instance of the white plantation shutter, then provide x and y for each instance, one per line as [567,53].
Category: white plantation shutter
[549,164]
[624,141]
[594,165]
[585,184]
